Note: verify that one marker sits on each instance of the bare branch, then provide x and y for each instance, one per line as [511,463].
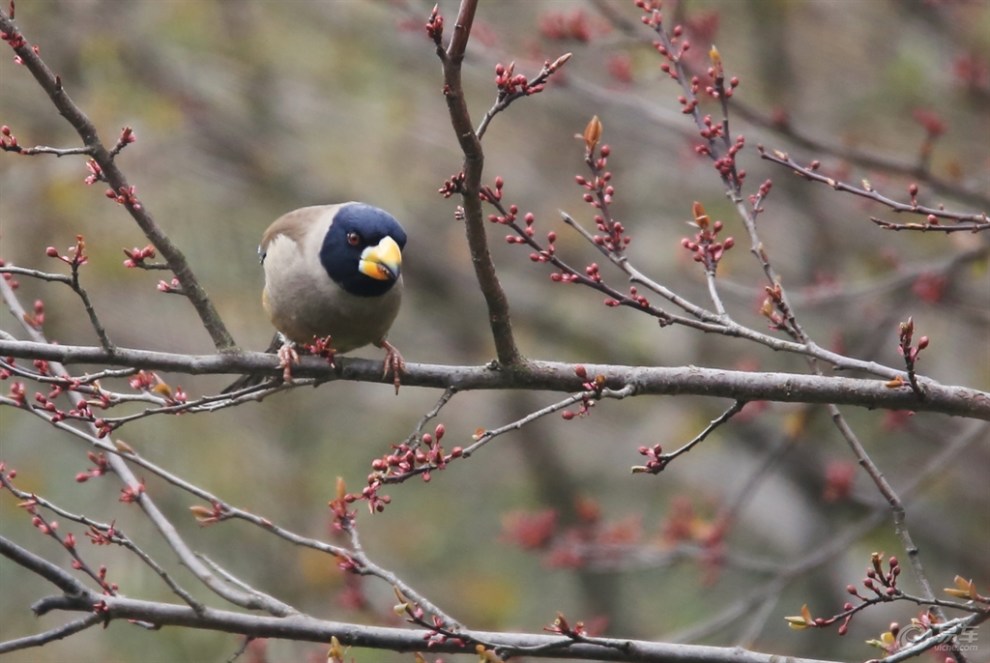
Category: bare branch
[474,161]
[308,629]
[975,221]
[546,376]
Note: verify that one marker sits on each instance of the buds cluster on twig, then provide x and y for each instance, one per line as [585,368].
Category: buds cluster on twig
[706,246]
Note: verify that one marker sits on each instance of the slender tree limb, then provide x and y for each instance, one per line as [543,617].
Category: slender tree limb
[976,220]
[474,162]
[51,635]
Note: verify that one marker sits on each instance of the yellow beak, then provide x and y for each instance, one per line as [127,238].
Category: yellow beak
[382,261]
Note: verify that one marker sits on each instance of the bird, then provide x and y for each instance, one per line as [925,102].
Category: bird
[332,272]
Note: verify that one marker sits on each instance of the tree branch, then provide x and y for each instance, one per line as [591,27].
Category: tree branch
[474,163]
[545,376]
[308,629]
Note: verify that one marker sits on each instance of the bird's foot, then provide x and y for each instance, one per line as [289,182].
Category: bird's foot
[287,356]
[394,363]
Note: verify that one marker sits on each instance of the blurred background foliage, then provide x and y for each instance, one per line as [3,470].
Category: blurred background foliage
[246,109]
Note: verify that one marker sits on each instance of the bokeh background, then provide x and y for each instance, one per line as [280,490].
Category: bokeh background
[246,109]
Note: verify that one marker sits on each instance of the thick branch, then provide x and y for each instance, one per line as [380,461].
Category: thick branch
[546,376]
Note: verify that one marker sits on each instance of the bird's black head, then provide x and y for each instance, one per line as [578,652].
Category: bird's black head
[359,251]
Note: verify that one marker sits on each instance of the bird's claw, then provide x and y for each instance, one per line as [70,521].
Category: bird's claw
[394,364]
[287,356]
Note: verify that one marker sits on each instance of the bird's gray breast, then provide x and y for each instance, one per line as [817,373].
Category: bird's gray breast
[302,301]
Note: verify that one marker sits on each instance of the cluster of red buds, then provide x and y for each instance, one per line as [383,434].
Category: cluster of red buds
[705,245]
[43,526]
[655,460]
[544,254]
[756,199]
[774,308]
[9,278]
[726,164]
[95,172]
[910,352]
[882,583]
[882,586]
[149,381]
[434,26]
[493,195]
[102,536]
[14,39]
[437,630]
[8,141]
[593,387]
[509,83]
[35,318]
[343,517]
[171,287]
[131,494]
[82,410]
[561,626]
[100,467]
[717,73]
[68,542]
[673,53]
[404,461]
[452,185]
[18,393]
[127,136]
[75,257]
[125,195]
[136,256]
[599,191]
[913,192]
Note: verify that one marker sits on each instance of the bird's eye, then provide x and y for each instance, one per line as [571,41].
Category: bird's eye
[353,239]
